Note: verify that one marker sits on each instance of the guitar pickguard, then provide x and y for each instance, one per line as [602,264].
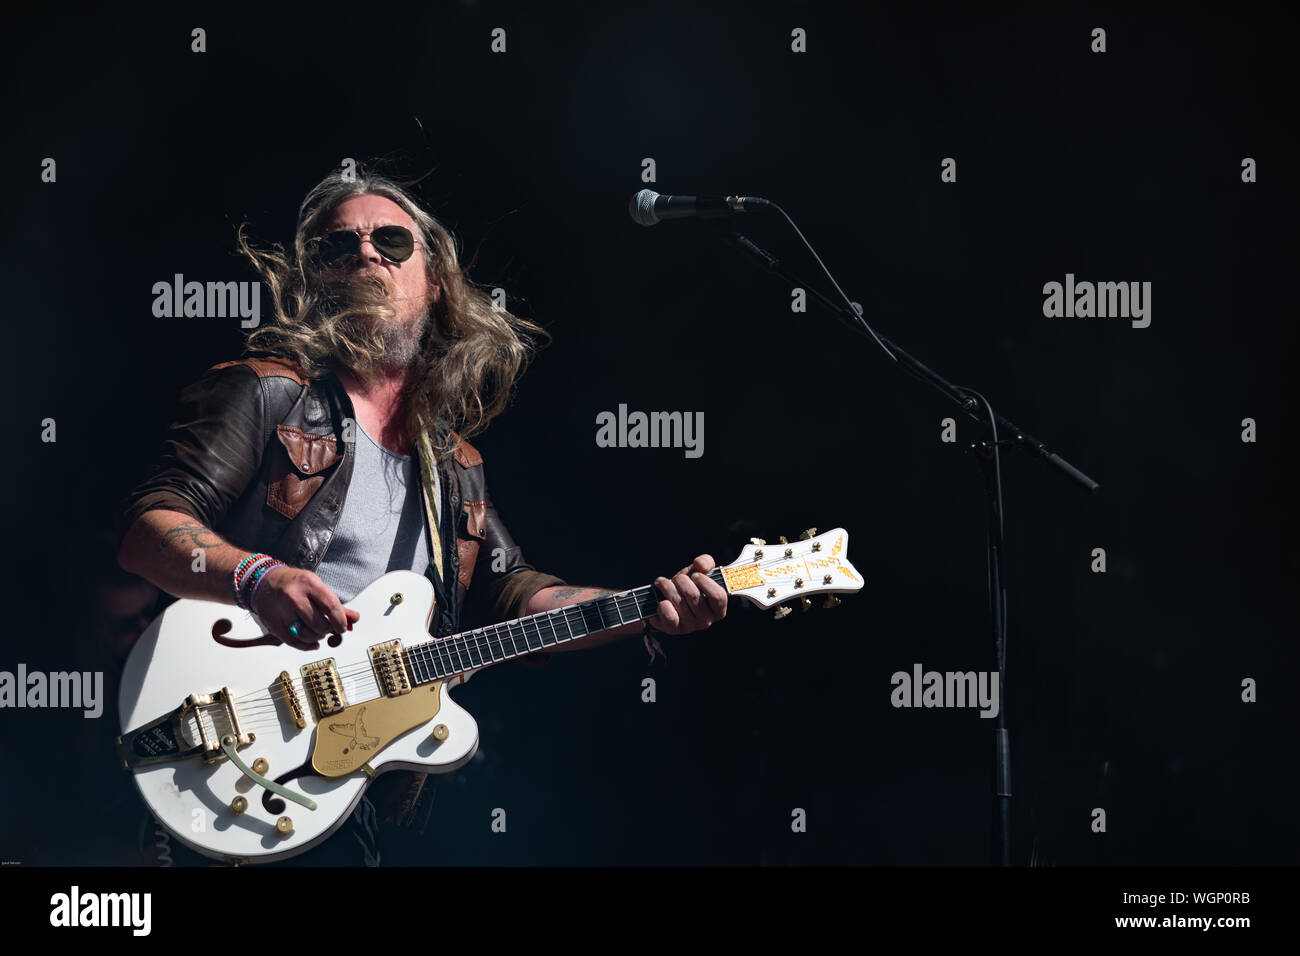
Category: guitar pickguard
[348,740]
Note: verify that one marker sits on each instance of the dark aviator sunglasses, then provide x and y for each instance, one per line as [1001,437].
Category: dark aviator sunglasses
[394,243]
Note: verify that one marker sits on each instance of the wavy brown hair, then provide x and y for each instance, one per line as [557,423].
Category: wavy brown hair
[470,354]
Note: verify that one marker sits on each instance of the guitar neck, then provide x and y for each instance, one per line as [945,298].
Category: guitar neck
[469,650]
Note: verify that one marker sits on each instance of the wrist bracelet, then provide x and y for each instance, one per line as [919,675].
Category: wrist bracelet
[251,574]
[243,565]
[234,578]
[240,578]
[249,571]
[260,574]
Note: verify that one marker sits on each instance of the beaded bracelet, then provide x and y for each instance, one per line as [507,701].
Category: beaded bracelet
[259,576]
[240,577]
[245,566]
[239,570]
[251,574]
[252,569]
[252,579]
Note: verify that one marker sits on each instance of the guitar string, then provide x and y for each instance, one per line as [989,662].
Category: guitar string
[359,679]
[453,649]
[362,683]
[506,641]
[259,710]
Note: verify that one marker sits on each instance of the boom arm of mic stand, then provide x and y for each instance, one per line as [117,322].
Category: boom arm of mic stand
[968,403]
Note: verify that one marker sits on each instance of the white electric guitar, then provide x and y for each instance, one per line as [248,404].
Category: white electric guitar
[249,750]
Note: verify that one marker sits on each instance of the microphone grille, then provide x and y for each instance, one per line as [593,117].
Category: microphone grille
[641,207]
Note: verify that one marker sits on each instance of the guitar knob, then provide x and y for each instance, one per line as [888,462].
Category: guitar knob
[239,805]
[832,601]
[440,732]
[807,604]
[809,533]
[781,612]
[284,826]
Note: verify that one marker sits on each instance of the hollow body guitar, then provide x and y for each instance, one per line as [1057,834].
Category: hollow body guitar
[249,750]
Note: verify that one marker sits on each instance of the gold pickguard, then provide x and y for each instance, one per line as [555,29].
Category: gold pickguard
[355,736]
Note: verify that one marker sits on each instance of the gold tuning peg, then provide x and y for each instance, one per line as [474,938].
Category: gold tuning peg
[782,539]
[832,601]
[809,533]
[807,604]
[781,612]
[758,541]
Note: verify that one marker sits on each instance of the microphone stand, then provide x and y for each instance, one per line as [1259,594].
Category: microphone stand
[987,449]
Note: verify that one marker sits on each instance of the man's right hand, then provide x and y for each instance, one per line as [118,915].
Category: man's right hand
[160,546]
[287,594]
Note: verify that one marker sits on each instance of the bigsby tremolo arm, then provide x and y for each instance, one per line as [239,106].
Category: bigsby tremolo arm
[163,739]
[228,745]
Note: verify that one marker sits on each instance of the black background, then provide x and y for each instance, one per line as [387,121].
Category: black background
[1124,687]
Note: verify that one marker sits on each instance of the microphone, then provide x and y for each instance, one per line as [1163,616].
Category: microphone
[649,207]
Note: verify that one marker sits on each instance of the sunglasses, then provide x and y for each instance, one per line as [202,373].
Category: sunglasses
[394,243]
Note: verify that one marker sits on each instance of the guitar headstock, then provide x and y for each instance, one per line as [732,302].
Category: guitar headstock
[769,574]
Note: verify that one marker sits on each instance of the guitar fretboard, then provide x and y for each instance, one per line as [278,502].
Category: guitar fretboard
[447,656]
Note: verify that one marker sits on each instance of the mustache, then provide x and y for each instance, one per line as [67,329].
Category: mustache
[376,279]
[360,291]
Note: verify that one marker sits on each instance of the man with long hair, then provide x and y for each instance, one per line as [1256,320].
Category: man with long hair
[335,450]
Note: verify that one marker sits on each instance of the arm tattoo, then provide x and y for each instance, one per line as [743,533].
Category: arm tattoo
[199,536]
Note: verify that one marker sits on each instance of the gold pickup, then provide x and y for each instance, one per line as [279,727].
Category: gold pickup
[322,679]
[389,662]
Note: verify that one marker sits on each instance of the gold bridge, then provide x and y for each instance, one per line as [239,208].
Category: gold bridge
[351,738]
[288,698]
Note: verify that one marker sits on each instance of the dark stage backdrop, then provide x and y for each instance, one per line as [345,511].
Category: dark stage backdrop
[1156,690]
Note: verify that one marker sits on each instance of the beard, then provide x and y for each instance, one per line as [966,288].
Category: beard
[401,341]
[373,334]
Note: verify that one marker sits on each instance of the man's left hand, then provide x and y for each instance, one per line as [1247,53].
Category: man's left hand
[691,600]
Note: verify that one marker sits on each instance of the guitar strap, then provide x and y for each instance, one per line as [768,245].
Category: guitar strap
[432,495]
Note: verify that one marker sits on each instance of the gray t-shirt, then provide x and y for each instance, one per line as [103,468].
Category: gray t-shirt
[382,526]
